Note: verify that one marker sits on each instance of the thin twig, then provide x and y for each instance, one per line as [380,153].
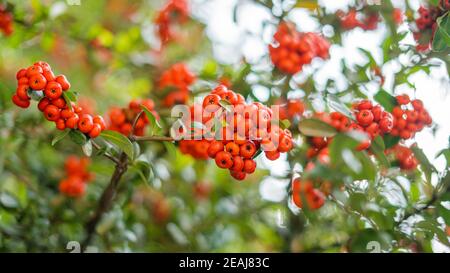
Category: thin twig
[107,155]
[151,138]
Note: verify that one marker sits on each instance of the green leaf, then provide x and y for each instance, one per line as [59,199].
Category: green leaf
[144,170]
[370,240]
[315,127]
[87,148]
[335,103]
[77,137]
[69,97]
[424,162]
[386,100]
[121,141]
[441,40]
[59,136]
[285,124]
[153,121]
[171,149]
[378,149]
[390,141]
[209,70]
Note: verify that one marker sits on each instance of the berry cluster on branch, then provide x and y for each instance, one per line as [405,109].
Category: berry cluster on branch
[292,49]
[77,176]
[178,78]
[410,117]
[122,119]
[174,12]
[39,82]
[240,136]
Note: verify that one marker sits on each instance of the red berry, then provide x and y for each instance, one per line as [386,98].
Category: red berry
[249,166]
[224,160]
[34,70]
[72,121]
[238,175]
[365,117]
[53,90]
[19,102]
[37,82]
[85,124]
[96,130]
[22,92]
[238,164]
[51,112]
[43,104]
[211,103]
[248,150]
[60,124]
[364,105]
[62,80]
[215,147]
[100,121]
[272,155]
[59,102]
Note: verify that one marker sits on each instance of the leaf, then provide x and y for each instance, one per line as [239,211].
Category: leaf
[69,97]
[369,56]
[209,70]
[153,121]
[144,170]
[424,162]
[378,149]
[315,127]
[386,100]
[59,136]
[441,39]
[87,148]
[77,137]
[121,141]
[170,147]
[369,240]
[285,124]
[390,141]
[226,105]
[337,105]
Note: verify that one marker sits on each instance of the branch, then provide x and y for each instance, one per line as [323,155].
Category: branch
[106,199]
[107,155]
[151,138]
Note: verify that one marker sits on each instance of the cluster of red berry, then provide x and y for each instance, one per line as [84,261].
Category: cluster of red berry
[293,49]
[121,119]
[370,119]
[6,21]
[410,117]
[305,191]
[77,176]
[178,77]
[426,24]
[350,20]
[38,80]
[404,156]
[240,135]
[291,109]
[173,12]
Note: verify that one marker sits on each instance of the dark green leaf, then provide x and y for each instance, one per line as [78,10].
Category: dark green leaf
[77,137]
[386,100]
[121,141]
[59,136]
[315,127]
